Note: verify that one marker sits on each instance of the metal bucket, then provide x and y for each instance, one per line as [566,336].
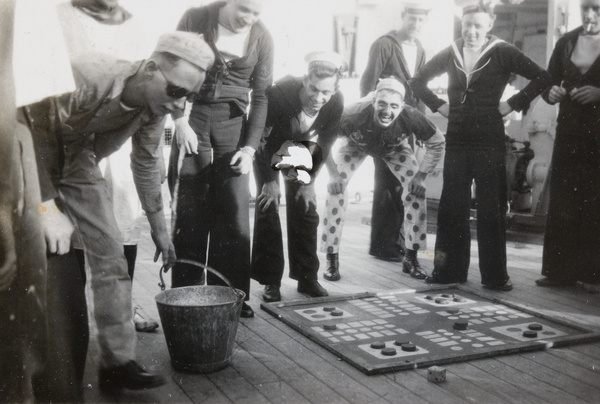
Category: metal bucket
[200,323]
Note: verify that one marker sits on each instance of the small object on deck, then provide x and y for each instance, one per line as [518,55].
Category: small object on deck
[441,300]
[429,297]
[446,295]
[461,325]
[388,351]
[409,347]
[377,345]
[328,308]
[530,334]
[535,327]
[436,374]
[337,313]
[459,299]
[400,342]
[329,327]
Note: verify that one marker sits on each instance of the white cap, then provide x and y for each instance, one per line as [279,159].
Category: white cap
[330,59]
[391,84]
[417,7]
[188,46]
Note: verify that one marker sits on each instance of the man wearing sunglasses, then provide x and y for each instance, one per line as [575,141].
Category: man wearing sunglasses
[113,101]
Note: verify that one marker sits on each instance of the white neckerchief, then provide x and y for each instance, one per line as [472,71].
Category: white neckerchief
[461,63]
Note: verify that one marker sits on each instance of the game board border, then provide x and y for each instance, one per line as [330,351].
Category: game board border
[587,336]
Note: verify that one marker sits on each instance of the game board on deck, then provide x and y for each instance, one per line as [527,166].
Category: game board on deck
[406,329]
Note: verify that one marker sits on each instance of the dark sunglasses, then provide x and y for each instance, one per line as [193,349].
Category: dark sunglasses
[174,91]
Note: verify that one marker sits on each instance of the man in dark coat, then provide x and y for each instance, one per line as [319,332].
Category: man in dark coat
[306,109]
[397,54]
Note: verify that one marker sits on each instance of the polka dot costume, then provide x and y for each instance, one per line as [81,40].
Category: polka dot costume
[404,166]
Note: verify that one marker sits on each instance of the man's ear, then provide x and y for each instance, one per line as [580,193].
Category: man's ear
[150,68]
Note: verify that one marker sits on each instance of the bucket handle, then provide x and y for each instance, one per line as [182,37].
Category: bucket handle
[163,285]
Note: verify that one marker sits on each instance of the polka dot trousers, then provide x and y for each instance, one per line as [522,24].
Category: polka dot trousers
[404,166]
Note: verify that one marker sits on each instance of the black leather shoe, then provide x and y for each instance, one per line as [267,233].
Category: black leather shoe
[413,267]
[311,288]
[128,376]
[436,279]
[271,294]
[506,287]
[332,273]
[247,311]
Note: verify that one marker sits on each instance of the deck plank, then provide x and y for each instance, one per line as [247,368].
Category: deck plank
[272,363]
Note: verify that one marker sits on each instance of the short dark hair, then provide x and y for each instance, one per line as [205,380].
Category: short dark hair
[323,71]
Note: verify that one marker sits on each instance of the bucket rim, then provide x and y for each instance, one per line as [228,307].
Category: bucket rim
[238,295]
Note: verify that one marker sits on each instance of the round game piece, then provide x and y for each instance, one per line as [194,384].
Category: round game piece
[400,342]
[337,313]
[409,347]
[535,327]
[388,351]
[461,324]
[328,308]
[377,345]
[446,295]
[453,311]
[441,300]
[329,327]
[530,334]
[459,299]
[429,297]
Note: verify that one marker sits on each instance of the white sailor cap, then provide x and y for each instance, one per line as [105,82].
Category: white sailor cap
[417,7]
[390,84]
[189,46]
[324,58]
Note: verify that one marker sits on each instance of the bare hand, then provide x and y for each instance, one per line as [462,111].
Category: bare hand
[241,162]
[270,194]
[444,110]
[187,140]
[556,94]
[415,186]
[161,238]
[56,226]
[586,95]
[307,194]
[336,185]
[504,108]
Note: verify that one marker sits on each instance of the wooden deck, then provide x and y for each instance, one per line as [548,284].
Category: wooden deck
[274,364]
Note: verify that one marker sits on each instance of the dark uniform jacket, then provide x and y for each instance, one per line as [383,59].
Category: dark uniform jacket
[386,59]
[575,117]
[284,105]
[474,99]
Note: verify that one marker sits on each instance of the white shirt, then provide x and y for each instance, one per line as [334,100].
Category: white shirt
[410,55]
[231,45]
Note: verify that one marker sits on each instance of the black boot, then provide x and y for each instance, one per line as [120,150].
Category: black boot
[128,376]
[411,265]
[332,273]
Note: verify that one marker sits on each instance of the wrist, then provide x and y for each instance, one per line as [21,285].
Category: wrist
[248,150]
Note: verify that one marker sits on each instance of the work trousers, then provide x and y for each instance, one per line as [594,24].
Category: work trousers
[84,196]
[387,213]
[453,240]
[403,165]
[213,202]
[267,248]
